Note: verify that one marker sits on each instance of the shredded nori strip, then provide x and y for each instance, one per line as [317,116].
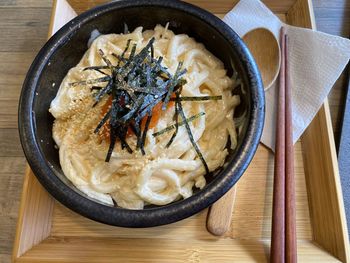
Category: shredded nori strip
[144,134]
[112,125]
[196,98]
[173,126]
[95,68]
[124,143]
[103,91]
[152,51]
[190,135]
[136,85]
[172,85]
[119,57]
[126,49]
[137,130]
[113,140]
[91,81]
[105,59]
[176,121]
[103,121]
[95,88]
[98,69]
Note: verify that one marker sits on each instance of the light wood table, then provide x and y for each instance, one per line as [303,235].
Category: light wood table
[23,27]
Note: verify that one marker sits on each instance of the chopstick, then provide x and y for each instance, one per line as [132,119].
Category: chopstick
[283,240]
[291,239]
[277,254]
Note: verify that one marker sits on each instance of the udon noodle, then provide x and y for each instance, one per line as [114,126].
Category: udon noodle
[162,175]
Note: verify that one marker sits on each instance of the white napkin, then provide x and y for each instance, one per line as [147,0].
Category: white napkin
[316,62]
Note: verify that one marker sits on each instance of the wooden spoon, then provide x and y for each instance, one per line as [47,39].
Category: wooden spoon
[266,51]
[220,213]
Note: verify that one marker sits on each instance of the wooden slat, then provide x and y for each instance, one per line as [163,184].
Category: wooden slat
[226,5]
[36,208]
[10,144]
[325,193]
[217,6]
[66,223]
[103,250]
[12,72]
[336,103]
[12,165]
[10,188]
[13,68]
[11,183]
[34,219]
[8,113]
[30,27]
[5,257]
[325,197]
[11,175]
[26,3]
[8,229]
[301,14]
[21,30]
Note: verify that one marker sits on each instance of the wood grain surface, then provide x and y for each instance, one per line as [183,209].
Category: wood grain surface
[249,230]
[220,213]
[23,26]
[254,190]
[217,6]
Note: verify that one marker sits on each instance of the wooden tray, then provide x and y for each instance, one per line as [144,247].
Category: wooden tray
[49,232]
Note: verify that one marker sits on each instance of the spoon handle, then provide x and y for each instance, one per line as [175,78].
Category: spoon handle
[220,213]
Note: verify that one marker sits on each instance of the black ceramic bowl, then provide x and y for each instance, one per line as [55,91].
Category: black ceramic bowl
[65,49]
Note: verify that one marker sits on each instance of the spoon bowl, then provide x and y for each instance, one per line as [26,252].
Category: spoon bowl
[266,51]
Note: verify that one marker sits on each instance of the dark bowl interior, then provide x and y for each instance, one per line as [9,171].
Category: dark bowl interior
[64,50]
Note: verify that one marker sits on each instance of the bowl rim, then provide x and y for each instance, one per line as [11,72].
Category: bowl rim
[152,216]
